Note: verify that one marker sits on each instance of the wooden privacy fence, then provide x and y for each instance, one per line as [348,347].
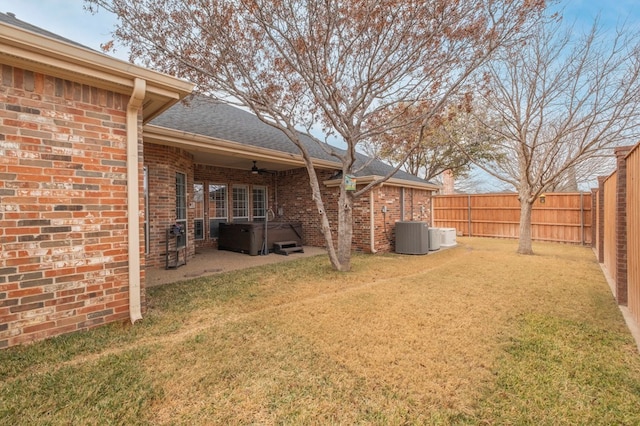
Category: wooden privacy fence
[561,217]
[633,231]
[617,227]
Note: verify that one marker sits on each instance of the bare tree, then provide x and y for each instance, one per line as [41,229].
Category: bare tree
[338,63]
[430,148]
[558,104]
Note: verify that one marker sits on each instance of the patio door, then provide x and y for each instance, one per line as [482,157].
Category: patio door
[218,212]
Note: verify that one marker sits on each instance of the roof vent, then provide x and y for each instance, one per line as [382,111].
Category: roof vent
[13,15]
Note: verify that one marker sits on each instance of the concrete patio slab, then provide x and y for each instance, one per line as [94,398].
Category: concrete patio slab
[212,261]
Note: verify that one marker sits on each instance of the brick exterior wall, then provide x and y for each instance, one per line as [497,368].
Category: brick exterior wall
[402,204]
[161,164]
[621,225]
[63,207]
[296,203]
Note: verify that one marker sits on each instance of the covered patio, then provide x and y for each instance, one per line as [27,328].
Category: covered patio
[209,261]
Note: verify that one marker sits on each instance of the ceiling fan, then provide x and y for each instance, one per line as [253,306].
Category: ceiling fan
[255,170]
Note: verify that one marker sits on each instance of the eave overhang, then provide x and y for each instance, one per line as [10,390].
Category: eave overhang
[39,53]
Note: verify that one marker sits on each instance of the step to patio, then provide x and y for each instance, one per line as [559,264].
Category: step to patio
[286,247]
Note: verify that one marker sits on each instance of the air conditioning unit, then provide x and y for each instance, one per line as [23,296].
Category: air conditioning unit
[412,237]
[448,237]
[434,239]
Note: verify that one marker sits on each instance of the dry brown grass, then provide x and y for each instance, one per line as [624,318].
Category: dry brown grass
[431,339]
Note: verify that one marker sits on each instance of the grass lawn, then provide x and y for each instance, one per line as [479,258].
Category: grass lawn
[472,335]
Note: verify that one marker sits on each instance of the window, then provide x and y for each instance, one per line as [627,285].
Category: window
[259,198]
[181,206]
[217,208]
[240,203]
[198,220]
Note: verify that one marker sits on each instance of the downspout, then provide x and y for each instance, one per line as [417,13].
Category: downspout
[133,198]
[372,223]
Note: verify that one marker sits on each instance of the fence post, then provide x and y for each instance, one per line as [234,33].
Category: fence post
[469,212]
[594,218]
[581,218]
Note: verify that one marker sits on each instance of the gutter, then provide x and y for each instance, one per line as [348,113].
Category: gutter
[133,197]
[393,181]
[372,223]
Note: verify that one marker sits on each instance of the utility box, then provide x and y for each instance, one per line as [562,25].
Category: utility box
[412,237]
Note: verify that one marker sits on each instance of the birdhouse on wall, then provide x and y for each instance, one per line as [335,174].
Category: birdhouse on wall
[350,182]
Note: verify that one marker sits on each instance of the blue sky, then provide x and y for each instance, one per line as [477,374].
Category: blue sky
[69,19]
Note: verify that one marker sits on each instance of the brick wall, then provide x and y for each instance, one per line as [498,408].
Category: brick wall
[295,203]
[294,196]
[595,211]
[63,209]
[402,204]
[621,225]
[161,164]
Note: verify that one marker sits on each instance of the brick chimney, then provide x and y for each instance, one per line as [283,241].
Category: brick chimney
[447,182]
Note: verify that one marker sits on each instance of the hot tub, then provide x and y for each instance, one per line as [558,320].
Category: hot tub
[247,237]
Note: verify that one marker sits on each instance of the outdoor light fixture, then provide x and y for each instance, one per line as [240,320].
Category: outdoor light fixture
[542,198]
[254,169]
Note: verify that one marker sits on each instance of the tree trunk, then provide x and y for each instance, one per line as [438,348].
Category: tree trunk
[345,228]
[338,260]
[524,244]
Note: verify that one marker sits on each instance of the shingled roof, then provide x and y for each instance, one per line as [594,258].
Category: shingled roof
[205,116]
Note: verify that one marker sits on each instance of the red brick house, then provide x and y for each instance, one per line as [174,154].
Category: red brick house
[215,147]
[98,158]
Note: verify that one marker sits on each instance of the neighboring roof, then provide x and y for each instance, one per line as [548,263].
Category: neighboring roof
[26,46]
[202,115]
